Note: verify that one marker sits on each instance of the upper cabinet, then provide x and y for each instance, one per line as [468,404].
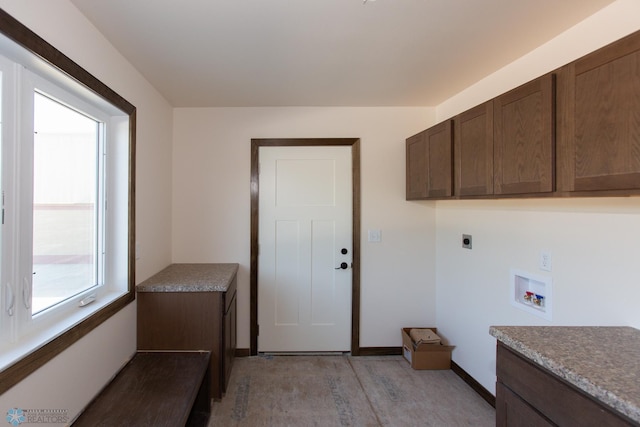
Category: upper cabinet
[473,151]
[429,163]
[440,163]
[417,157]
[599,120]
[524,138]
[504,147]
[573,132]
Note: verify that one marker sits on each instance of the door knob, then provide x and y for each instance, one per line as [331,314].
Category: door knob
[343,266]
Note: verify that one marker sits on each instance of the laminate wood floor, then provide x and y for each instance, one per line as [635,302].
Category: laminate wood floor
[346,391]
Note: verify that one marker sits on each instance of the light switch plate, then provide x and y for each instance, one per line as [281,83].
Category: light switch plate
[375,236]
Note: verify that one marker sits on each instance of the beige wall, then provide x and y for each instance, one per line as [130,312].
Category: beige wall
[71,379]
[211,170]
[593,242]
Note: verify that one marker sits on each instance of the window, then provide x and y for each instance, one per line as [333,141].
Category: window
[68,202]
[66,172]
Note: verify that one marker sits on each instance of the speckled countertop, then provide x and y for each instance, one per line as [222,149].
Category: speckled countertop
[604,362]
[191,278]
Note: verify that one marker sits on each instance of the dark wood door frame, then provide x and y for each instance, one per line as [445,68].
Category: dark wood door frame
[355,271]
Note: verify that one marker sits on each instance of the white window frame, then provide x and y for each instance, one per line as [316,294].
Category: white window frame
[29,63]
[27,322]
[7,118]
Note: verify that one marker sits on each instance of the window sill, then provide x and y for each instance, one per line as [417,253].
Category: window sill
[12,351]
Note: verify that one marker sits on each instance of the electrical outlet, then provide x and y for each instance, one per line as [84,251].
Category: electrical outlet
[545,260]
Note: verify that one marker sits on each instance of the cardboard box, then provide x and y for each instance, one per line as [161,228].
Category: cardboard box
[425,356]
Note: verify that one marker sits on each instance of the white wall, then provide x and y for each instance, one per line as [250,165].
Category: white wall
[593,242]
[71,379]
[211,171]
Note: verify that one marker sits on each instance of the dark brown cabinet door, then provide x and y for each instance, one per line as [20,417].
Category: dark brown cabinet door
[230,341]
[600,115]
[429,163]
[524,138]
[417,157]
[511,411]
[440,160]
[473,151]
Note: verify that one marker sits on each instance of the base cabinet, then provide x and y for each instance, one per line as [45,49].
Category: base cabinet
[529,395]
[192,321]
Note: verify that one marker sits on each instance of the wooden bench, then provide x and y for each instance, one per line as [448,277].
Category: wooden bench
[154,389]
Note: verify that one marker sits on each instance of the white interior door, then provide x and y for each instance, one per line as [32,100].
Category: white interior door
[305,236]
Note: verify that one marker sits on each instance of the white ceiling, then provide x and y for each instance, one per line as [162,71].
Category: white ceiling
[228,53]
